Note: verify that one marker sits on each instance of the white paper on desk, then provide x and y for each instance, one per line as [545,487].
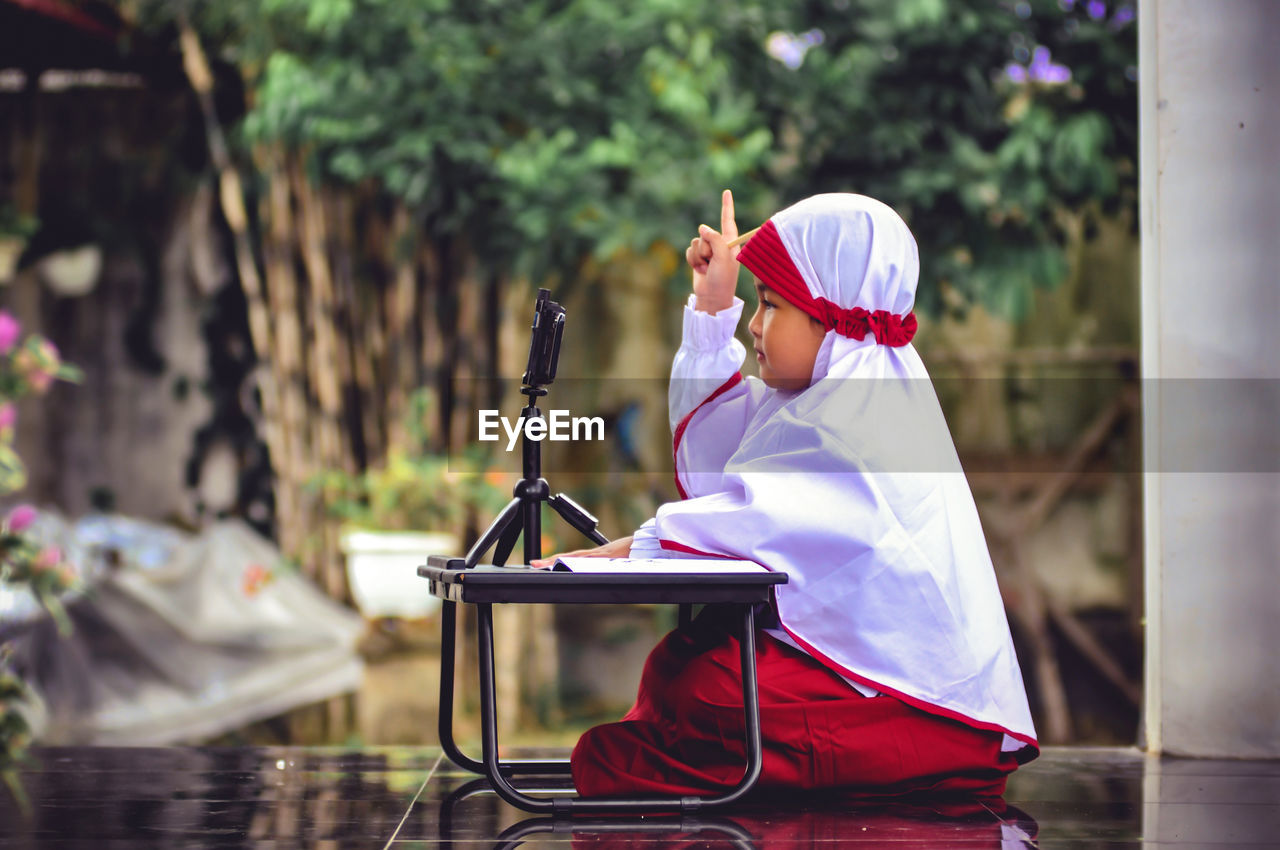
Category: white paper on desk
[656,565]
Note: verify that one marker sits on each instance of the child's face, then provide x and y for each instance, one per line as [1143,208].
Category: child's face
[786,340]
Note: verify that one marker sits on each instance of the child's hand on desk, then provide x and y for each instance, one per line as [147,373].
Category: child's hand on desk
[619,548]
[714,263]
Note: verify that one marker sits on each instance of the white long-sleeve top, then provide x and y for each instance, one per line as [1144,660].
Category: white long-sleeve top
[903,605]
[709,357]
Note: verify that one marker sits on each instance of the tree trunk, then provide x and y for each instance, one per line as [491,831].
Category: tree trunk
[292,466]
[401,313]
[231,196]
[323,353]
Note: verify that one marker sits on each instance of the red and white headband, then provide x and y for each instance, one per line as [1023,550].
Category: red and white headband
[767,258]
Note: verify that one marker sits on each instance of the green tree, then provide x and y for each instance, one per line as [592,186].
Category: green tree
[982,122]
[541,139]
[541,133]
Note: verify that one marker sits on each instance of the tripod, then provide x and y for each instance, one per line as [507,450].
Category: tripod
[523,514]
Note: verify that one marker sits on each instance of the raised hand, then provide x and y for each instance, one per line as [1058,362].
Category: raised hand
[714,263]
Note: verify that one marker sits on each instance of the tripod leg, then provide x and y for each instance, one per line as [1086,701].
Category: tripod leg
[532,515]
[510,514]
[506,543]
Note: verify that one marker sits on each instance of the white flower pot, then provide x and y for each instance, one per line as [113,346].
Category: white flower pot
[382,570]
[73,272]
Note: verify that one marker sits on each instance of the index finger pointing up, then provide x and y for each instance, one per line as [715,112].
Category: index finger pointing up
[728,226]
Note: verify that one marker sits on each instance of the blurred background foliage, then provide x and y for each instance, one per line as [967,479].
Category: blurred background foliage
[545,133]
[384,182]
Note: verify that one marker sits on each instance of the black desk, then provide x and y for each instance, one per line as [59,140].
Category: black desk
[485,585]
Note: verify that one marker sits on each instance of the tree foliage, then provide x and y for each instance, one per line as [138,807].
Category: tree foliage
[545,132]
[981,122]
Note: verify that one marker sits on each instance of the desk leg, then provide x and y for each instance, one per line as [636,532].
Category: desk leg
[448,672]
[497,775]
[493,769]
[751,710]
[448,642]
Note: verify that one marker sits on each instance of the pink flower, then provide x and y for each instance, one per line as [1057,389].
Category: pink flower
[47,558]
[48,353]
[8,415]
[34,365]
[40,382]
[20,518]
[10,331]
[24,361]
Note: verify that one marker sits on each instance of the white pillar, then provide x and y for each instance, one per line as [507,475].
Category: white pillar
[1209,109]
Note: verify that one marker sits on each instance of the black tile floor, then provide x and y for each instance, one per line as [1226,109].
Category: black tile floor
[266,798]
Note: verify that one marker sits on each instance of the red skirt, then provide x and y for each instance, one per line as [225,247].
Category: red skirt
[685,734]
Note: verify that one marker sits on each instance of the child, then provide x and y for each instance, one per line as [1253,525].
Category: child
[888,667]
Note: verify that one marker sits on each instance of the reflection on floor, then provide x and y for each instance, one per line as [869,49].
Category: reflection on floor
[409,797]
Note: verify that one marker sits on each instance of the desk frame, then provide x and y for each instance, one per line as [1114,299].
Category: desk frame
[484,586]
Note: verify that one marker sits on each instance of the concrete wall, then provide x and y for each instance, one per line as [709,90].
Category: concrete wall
[1210,208]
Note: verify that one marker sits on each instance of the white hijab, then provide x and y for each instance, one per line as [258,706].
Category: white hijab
[852,486]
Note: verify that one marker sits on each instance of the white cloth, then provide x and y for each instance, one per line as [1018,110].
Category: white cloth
[645,544]
[851,486]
